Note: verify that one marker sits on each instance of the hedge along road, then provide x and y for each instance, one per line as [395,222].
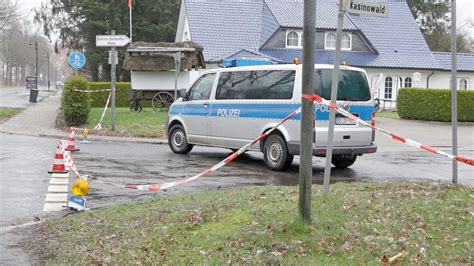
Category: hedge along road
[150,163]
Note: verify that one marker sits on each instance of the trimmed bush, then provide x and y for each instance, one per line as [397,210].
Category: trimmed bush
[434,104]
[75,106]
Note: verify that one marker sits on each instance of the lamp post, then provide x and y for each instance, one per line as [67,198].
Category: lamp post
[47,56]
[36,56]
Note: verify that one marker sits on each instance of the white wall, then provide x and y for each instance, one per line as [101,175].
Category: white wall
[163,80]
[437,80]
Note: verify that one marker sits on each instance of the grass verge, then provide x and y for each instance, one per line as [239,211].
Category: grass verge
[7,113]
[129,124]
[357,223]
[387,114]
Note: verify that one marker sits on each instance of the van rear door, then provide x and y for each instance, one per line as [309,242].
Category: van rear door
[354,96]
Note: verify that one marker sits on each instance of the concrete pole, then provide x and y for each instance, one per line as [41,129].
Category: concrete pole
[112,74]
[454,92]
[335,83]
[307,111]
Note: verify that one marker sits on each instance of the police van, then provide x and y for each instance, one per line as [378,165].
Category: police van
[230,107]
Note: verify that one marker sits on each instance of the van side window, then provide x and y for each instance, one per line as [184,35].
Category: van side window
[201,90]
[259,84]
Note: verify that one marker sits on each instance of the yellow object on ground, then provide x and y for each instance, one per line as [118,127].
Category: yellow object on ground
[80,187]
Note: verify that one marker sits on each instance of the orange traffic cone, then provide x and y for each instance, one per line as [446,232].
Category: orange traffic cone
[71,146]
[58,164]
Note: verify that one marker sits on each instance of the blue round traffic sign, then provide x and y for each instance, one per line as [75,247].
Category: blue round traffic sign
[77,59]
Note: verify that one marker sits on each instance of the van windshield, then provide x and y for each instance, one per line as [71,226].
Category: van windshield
[353,85]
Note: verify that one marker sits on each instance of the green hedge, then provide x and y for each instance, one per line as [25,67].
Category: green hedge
[434,104]
[75,106]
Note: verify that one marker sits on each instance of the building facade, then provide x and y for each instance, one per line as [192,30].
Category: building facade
[392,49]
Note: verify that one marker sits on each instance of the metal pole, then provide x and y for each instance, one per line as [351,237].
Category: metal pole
[335,83]
[131,36]
[36,60]
[48,72]
[177,66]
[307,111]
[112,74]
[454,93]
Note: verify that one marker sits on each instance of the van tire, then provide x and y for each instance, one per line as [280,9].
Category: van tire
[178,141]
[275,153]
[343,161]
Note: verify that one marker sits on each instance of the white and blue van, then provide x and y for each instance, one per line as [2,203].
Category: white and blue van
[230,107]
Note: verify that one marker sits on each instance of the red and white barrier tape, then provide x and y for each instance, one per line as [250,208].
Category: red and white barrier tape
[98,127]
[228,159]
[68,159]
[90,91]
[389,134]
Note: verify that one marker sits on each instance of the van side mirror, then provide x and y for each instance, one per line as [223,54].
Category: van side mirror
[183,94]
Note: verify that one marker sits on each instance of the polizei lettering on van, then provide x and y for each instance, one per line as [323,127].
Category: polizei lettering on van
[228,112]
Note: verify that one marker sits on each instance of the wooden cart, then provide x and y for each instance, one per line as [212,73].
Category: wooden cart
[158,69]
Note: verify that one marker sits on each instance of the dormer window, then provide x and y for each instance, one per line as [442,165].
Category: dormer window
[292,39]
[330,41]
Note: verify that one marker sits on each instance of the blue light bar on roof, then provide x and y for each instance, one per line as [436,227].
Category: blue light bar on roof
[246,61]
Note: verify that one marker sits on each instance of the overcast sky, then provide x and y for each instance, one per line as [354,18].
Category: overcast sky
[465,10]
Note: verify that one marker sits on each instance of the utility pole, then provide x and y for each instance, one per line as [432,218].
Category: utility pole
[112,74]
[47,56]
[335,83]
[454,92]
[307,111]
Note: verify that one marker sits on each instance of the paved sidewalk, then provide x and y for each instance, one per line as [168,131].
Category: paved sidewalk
[40,120]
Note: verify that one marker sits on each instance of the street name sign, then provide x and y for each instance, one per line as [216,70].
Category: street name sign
[77,59]
[367,7]
[111,40]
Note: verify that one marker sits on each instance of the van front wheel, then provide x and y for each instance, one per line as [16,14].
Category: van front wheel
[275,153]
[343,161]
[177,140]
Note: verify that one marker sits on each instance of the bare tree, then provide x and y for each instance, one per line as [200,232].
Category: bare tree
[8,13]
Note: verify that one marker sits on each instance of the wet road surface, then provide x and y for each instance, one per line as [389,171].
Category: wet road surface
[24,162]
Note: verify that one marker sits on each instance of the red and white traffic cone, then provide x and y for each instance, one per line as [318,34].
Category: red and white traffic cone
[58,164]
[70,141]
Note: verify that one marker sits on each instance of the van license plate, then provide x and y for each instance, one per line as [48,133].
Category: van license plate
[342,120]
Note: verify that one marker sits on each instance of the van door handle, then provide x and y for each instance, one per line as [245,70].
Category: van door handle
[206,104]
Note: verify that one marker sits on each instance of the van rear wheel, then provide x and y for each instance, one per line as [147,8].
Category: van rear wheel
[275,153]
[343,161]
[177,140]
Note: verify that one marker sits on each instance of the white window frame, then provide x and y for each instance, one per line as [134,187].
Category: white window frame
[334,48]
[405,82]
[466,85]
[298,33]
[388,88]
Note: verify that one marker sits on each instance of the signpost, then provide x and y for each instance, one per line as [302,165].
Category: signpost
[77,60]
[362,7]
[112,41]
[31,83]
